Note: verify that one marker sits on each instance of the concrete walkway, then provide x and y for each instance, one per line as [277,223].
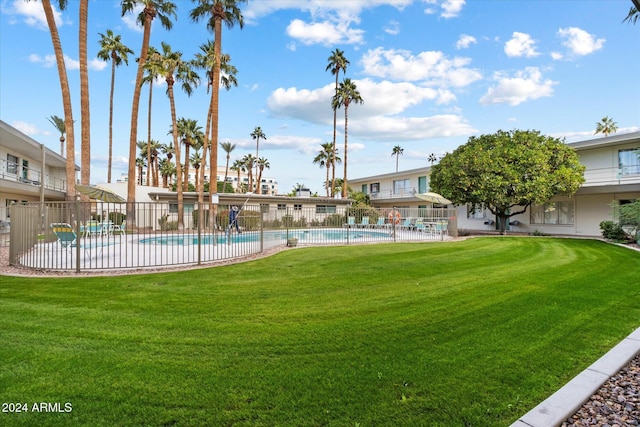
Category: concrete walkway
[566,401]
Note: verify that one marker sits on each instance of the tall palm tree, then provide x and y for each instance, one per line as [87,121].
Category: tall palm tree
[432,158]
[85,114]
[175,69]
[154,147]
[206,59]
[66,96]
[112,49]
[58,123]
[140,164]
[216,12]
[323,159]
[397,151]
[606,126]
[168,150]
[196,161]
[152,74]
[336,62]
[261,164]
[164,10]
[228,148]
[346,94]
[256,135]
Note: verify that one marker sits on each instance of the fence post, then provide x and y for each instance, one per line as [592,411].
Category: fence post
[261,229]
[77,215]
[200,219]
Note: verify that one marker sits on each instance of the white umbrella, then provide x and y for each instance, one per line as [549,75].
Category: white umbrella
[433,198]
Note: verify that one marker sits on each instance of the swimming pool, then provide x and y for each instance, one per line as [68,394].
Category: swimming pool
[315,236]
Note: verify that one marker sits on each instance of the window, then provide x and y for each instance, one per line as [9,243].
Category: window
[264,208]
[282,207]
[297,207]
[423,184]
[629,161]
[12,164]
[476,211]
[322,209]
[188,208]
[375,187]
[556,213]
[401,186]
[363,188]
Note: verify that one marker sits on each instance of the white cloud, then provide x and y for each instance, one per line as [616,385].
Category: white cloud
[49,61]
[325,33]
[579,42]
[524,86]
[393,28]
[32,13]
[432,67]
[521,44]
[465,41]
[556,56]
[451,8]
[129,19]
[28,128]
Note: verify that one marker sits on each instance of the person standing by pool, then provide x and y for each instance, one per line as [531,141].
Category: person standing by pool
[233,218]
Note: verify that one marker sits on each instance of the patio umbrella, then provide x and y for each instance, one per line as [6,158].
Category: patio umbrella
[433,198]
[98,193]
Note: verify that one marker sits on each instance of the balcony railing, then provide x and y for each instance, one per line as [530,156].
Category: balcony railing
[11,171]
[397,193]
[612,176]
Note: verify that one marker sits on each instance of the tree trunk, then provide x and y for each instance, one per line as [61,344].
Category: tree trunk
[174,127]
[85,114]
[346,121]
[215,95]
[66,100]
[113,82]
[149,129]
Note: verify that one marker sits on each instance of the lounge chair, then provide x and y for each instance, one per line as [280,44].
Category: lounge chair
[365,222]
[381,223]
[93,228]
[408,224]
[351,222]
[68,239]
[122,228]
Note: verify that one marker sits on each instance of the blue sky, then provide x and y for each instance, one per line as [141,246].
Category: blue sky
[432,73]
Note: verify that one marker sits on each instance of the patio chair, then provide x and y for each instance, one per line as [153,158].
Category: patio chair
[351,222]
[119,228]
[68,239]
[92,228]
[408,224]
[365,222]
[381,223]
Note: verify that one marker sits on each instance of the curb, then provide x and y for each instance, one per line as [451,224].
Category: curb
[566,401]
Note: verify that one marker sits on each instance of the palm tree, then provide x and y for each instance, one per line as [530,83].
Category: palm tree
[256,135]
[346,94]
[140,164]
[261,164]
[432,158]
[190,134]
[168,150]
[249,162]
[239,167]
[175,69]
[58,123]
[167,170]
[85,114]
[152,74]
[196,161]
[112,49]
[606,126]
[66,96]
[163,9]
[228,148]
[217,11]
[336,62]
[397,151]
[323,159]
[154,147]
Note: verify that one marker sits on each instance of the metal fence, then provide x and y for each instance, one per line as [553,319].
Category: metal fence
[79,236]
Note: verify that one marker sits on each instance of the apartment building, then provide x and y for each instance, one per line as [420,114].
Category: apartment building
[612,177]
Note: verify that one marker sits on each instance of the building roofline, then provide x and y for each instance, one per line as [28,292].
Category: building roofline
[605,140]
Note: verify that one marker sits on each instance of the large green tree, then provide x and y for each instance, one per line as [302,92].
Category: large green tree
[507,172]
[346,94]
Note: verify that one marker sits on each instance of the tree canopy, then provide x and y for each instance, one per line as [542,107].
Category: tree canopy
[506,172]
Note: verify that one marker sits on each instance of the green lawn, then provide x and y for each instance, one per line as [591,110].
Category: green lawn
[471,333]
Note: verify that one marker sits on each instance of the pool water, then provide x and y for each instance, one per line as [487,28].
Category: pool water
[331,235]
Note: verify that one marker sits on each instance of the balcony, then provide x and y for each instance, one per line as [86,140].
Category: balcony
[394,194]
[612,176]
[28,180]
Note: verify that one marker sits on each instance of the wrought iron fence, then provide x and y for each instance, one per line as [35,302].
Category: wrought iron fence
[78,236]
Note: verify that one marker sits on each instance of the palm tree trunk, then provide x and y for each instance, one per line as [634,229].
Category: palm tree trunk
[149,129]
[226,172]
[85,116]
[174,127]
[113,82]
[185,182]
[66,100]
[344,179]
[200,189]
[133,136]
[333,155]
[215,97]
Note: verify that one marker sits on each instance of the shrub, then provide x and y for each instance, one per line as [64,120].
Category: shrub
[613,231]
